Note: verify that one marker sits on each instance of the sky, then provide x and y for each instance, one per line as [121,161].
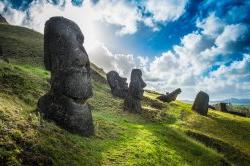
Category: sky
[189,44]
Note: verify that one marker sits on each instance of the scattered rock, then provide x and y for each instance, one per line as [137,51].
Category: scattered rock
[68,62]
[169,97]
[201,103]
[118,85]
[211,107]
[132,102]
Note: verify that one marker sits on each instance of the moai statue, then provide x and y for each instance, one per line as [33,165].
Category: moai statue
[132,102]
[169,97]
[68,62]
[223,107]
[200,104]
[118,85]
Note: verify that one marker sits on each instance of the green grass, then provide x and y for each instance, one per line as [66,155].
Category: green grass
[120,137]
[164,134]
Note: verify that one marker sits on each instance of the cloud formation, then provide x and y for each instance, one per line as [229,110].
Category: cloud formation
[194,64]
[213,57]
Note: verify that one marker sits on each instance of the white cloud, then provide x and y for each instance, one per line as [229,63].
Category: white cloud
[186,66]
[122,63]
[227,80]
[211,26]
[166,10]
[1,7]
[231,35]
[119,13]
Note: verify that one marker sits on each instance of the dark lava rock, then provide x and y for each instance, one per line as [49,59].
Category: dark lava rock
[223,107]
[132,102]
[68,62]
[118,85]
[200,104]
[169,97]
[2,19]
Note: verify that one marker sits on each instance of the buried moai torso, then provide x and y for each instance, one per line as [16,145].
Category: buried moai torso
[169,97]
[132,102]
[118,85]
[200,104]
[68,62]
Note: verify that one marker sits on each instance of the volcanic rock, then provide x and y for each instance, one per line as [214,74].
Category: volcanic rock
[118,85]
[68,62]
[132,102]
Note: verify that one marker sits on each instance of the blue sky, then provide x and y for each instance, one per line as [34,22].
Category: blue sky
[191,44]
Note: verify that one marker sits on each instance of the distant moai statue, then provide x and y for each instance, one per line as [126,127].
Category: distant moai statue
[118,85]
[132,102]
[223,107]
[169,97]
[200,104]
[68,62]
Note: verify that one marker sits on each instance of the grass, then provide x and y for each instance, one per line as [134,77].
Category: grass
[120,137]
[164,134]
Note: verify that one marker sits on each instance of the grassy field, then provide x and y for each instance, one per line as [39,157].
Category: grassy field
[164,134]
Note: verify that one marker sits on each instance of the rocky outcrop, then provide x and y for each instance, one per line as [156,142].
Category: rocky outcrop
[132,102]
[3,20]
[68,62]
[118,85]
[169,97]
[200,104]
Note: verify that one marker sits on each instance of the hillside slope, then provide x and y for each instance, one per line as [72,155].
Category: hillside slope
[165,134]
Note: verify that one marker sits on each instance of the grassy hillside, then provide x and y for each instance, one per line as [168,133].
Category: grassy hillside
[165,134]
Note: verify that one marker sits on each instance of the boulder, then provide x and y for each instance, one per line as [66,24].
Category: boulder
[200,104]
[118,85]
[68,62]
[169,97]
[132,102]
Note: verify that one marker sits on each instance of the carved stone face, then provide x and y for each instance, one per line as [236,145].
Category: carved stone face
[137,84]
[118,85]
[66,58]
[115,81]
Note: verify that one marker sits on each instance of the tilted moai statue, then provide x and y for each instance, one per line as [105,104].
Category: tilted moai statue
[200,104]
[169,97]
[118,85]
[68,62]
[132,102]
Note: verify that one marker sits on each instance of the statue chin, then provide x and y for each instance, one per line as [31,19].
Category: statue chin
[77,85]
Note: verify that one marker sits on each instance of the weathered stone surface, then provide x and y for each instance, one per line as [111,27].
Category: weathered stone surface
[68,62]
[200,104]
[132,102]
[118,85]
[169,97]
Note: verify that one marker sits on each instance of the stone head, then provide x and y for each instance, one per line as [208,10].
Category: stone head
[66,58]
[136,75]
[137,84]
[115,81]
